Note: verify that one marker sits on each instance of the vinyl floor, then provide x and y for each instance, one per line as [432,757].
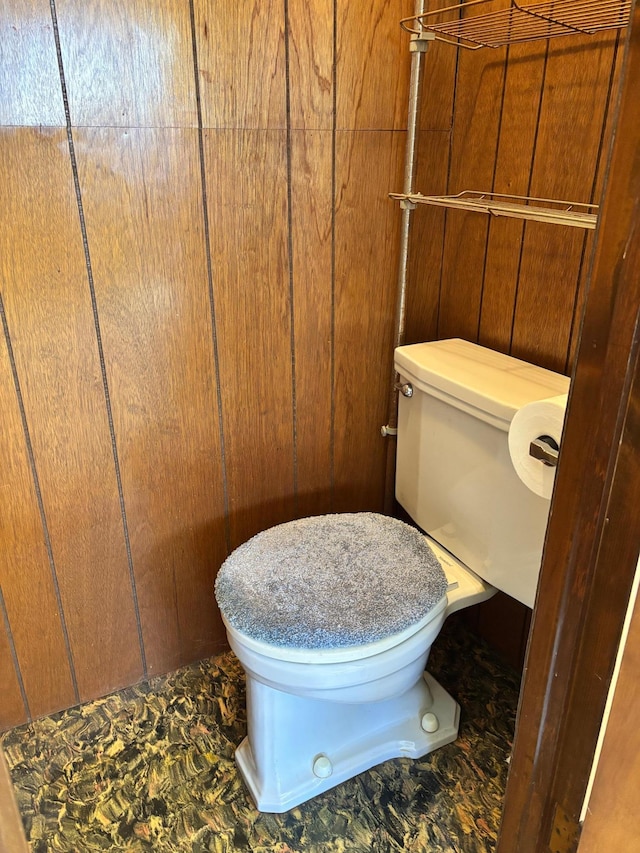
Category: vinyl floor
[151,768]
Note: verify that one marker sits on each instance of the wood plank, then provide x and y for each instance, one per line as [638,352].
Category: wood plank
[524,80]
[29,596]
[12,837]
[29,77]
[438,84]
[571,120]
[612,816]
[311,64]
[476,126]
[504,623]
[241,58]
[372,65]
[143,208]
[311,209]
[426,238]
[593,525]
[247,177]
[366,271]
[128,64]
[50,317]
[600,177]
[12,707]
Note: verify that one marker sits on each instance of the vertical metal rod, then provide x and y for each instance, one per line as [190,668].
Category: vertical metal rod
[405,227]
[409,174]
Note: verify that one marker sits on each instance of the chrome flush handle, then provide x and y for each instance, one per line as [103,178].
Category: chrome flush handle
[406,388]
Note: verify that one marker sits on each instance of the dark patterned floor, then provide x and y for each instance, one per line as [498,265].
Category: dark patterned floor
[151,769]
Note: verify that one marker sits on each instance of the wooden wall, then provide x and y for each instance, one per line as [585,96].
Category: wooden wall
[531,119]
[198,263]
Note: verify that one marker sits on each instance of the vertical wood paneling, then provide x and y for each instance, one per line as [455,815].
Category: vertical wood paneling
[247,177]
[310,34]
[311,64]
[143,209]
[426,239]
[303,354]
[542,136]
[12,837]
[367,235]
[126,69]
[438,83]
[569,135]
[311,201]
[524,79]
[29,79]
[12,709]
[475,136]
[608,131]
[372,55]
[539,135]
[614,797]
[241,58]
[29,596]
[49,314]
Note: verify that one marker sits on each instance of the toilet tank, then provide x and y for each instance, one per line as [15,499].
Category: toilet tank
[454,474]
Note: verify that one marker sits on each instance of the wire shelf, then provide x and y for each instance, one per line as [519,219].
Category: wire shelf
[520,23]
[549,210]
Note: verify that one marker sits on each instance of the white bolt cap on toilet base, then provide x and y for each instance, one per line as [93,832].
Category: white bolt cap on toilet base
[305,746]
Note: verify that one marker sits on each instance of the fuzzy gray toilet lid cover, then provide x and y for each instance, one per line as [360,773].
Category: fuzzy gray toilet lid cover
[330,581]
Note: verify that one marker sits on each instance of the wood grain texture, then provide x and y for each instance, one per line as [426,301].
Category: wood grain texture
[372,65]
[591,551]
[241,58]
[571,120]
[500,139]
[524,81]
[247,174]
[127,64]
[131,65]
[50,316]
[311,64]
[143,208]
[311,215]
[12,707]
[438,83]
[367,239]
[476,127]
[12,838]
[426,238]
[600,176]
[611,820]
[29,78]
[29,597]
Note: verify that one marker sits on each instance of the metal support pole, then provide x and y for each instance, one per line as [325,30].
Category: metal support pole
[418,45]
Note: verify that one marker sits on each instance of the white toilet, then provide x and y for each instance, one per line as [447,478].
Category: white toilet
[332,618]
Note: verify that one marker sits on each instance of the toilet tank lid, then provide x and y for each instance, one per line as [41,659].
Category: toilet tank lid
[490,381]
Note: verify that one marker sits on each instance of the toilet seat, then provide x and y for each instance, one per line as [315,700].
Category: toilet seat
[340,654]
[279,589]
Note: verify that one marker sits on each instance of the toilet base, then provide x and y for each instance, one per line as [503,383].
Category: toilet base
[291,735]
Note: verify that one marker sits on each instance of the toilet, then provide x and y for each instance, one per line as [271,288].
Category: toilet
[333,617]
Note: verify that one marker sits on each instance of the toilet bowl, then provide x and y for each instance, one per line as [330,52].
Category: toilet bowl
[318,716]
[333,618]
